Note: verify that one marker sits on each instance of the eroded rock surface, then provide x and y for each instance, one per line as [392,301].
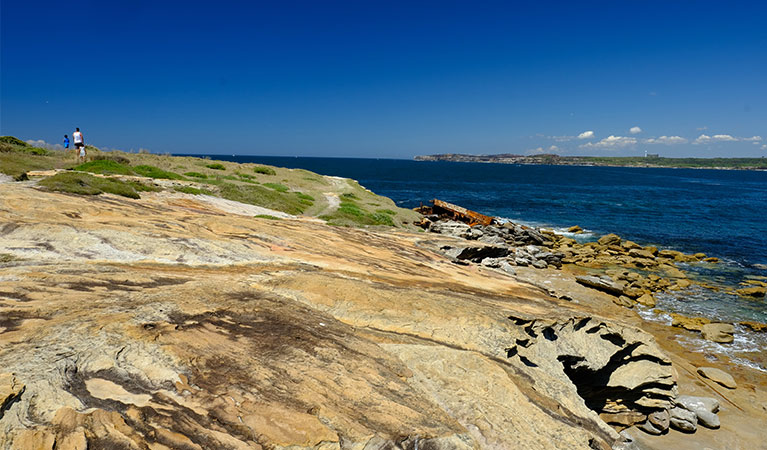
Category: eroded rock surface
[171,323]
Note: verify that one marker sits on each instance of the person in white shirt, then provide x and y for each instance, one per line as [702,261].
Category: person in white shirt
[77,138]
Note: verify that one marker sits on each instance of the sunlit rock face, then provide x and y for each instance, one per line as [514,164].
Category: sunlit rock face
[167,322]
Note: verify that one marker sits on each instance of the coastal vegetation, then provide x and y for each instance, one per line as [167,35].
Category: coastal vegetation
[618,161]
[298,191]
[84,184]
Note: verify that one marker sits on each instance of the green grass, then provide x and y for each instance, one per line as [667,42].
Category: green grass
[261,196]
[156,172]
[84,184]
[141,187]
[215,166]
[387,211]
[306,197]
[247,178]
[277,187]
[267,216]
[195,175]
[264,170]
[105,167]
[192,190]
[349,195]
[350,214]
[111,157]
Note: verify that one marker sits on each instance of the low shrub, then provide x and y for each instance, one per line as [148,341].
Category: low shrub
[277,187]
[216,166]
[267,216]
[156,172]
[264,170]
[85,184]
[261,196]
[350,214]
[192,190]
[196,175]
[105,167]
[108,157]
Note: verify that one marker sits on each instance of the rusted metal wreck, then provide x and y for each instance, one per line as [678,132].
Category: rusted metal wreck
[448,210]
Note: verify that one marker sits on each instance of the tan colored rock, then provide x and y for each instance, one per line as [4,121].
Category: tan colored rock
[688,323]
[10,390]
[575,229]
[646,300]
[718,375]
[755,326]
[752,292]
[711,259]
[640,253]
[718,332]
[624,301]
[699,256]
[609,239]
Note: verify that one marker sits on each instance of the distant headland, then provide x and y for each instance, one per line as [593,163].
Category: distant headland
[619,161]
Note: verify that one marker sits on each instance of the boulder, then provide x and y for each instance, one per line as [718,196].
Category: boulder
[640,253]
[695,404]
[649,428]
[705,409]
[646,300]
[451,228]
[683,420]
[711,259]
[609,239]
[688,323]
[475,253]
[659,420]
[539,264]
[719,376]
[718,332]
[492,240]
[699,256]
[629,245]
[624,301]
[651,249]
[603,284]
[575,229]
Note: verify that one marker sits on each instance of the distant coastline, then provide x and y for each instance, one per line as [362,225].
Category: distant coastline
[615,161]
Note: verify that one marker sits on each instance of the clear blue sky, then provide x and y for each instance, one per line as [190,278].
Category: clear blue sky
[389,79]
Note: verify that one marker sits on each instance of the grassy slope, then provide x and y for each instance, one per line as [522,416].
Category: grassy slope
[295,191]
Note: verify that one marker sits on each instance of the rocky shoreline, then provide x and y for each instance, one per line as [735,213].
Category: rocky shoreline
[174,321]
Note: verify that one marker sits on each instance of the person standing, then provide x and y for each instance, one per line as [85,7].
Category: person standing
[79,140]
[66,142]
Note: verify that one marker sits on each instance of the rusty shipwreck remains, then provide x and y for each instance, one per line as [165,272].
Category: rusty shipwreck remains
[448,210]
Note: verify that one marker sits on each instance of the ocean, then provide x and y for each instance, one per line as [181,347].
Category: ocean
[722,213]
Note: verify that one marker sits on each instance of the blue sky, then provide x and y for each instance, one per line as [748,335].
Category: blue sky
[389,79]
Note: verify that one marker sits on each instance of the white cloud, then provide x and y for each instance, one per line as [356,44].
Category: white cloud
[553,148]
[611,142]
[724,137]
[705,139]
[764,146]
[41,143]
[635,130]
[666,140]
[753,139]
[586,135]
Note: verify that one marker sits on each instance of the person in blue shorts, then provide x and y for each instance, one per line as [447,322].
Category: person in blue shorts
[66,141]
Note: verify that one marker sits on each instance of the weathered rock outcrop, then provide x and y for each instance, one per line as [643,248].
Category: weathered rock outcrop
[171,322]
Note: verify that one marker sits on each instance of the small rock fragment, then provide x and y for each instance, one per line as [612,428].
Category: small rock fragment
[718,375]
[718,332]
[683,420]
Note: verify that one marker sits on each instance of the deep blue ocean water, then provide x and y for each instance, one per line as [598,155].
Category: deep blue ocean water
[722,213]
